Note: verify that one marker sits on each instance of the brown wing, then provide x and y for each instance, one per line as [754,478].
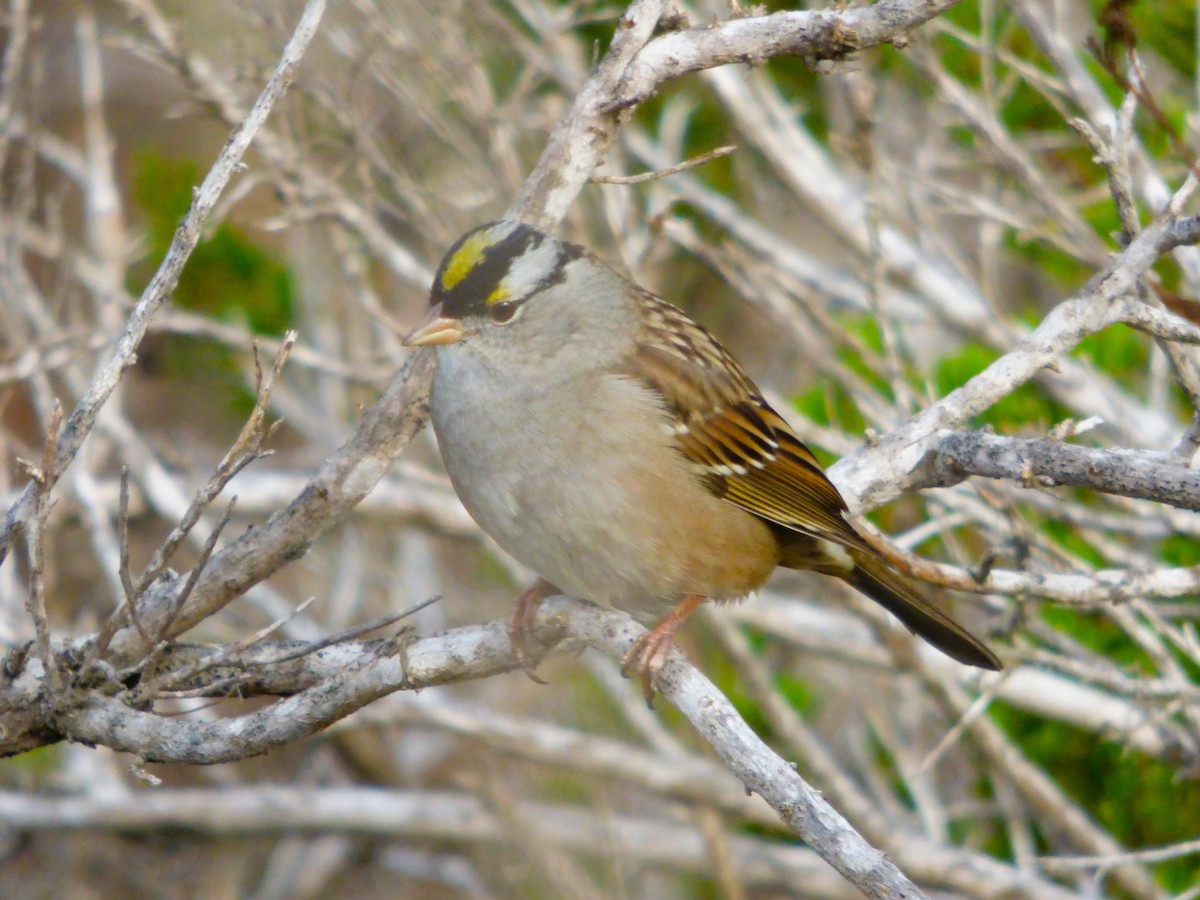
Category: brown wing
[750,456]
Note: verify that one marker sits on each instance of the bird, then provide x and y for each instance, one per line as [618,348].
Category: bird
[613,446]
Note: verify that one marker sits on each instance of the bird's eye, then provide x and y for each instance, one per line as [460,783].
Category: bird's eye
[503,311]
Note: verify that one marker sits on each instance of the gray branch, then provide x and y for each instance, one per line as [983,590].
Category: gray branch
[93,717]
[441,816]
[881,472]
[1044,462]
[815,35]
[99,706]
[635,66]
[162,285]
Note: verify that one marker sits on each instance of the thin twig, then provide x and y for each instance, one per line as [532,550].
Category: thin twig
[162,285]
[246,448]
[1152,855]
[663,173]
[41,476]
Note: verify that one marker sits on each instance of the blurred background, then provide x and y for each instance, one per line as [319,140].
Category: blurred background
[884,229]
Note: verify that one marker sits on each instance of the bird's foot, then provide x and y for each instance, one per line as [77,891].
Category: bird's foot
[520,623]
[649,652]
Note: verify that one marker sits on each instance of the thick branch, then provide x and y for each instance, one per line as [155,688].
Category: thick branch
[1044,462]
[878,474]
[803,809]
[458,655]
[439,816]
[635,66]
[811,34]
[341,482]
[581,139]
[107,721]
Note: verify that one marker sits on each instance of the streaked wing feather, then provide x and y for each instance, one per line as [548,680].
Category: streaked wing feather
[749,454]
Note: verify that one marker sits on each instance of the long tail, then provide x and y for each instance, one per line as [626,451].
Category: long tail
[872,575]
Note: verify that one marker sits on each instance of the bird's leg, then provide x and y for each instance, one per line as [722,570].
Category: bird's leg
[649,652]
[520,623]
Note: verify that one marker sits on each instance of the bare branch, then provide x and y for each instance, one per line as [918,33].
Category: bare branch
[79,423]
[417,816]
[663,173]
[874,475]
[474,653]
[814,35]
[1045,462]
[343,479]
[43,483]
[876,241]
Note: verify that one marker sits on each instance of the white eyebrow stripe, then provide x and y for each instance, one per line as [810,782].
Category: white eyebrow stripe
[527,271]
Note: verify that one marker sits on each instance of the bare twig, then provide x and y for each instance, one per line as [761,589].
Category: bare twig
[80,422]
[795,259]
[247,448]
[663,173]
[42,479]
[1156,854]
[343,480]
[899,452]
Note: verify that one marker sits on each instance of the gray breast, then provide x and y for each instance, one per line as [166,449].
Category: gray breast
[545,472]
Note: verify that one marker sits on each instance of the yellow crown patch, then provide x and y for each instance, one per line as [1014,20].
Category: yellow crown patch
[466,258]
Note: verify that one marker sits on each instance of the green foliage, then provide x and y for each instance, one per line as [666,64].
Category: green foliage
[1027,111]
[37,763]
[1139,799]
[1069,538]
[227,277]
[1173,34]
[1098,633]
[798,692]
[707,128]
[1181,550]
[866,330]
[1120,349]
[889,768]
[798,83]
[732,685]
[828,403]
[1170,29]
[958,59]
[1061,270]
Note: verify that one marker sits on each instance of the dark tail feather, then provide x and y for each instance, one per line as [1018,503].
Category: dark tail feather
[874,578]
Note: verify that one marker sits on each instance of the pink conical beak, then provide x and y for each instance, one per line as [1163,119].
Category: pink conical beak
[434,330]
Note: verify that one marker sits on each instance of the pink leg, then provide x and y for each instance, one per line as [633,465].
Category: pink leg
[520,623]
[649,652]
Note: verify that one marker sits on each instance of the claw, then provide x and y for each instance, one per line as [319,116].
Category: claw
[648,654]
[645,658]
[520,623]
